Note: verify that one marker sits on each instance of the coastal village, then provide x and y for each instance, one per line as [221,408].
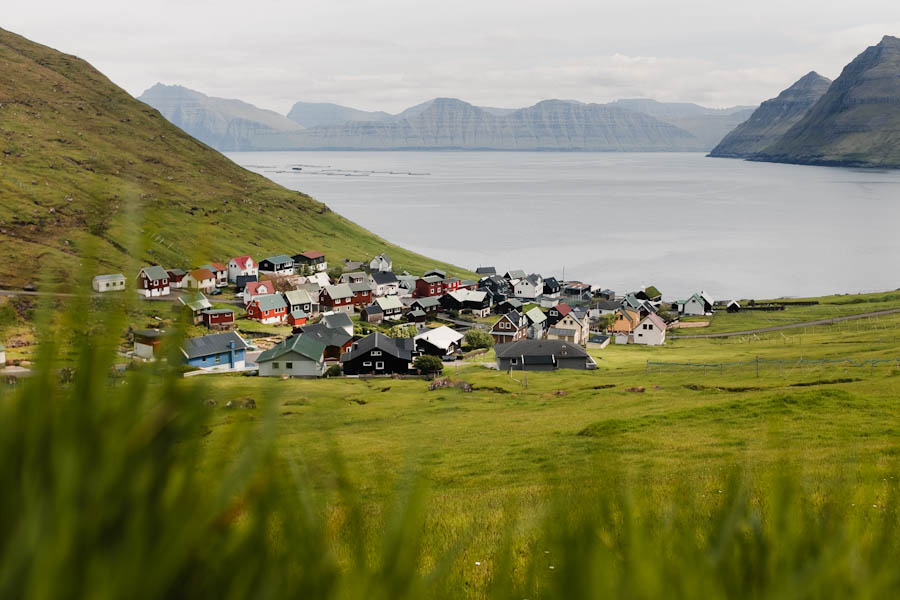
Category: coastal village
[363,319]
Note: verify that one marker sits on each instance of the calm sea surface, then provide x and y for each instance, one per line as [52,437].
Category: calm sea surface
[679,221]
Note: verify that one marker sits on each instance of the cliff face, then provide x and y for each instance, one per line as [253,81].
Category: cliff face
[773,118]
[708,125]
[856,122]
[548,125]
[313,114]
[221,123]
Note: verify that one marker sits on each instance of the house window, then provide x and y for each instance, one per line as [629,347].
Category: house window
[379,366]
[514,361]
[274,365]
[218,359]
[376,352]
[289,365]
[368,363]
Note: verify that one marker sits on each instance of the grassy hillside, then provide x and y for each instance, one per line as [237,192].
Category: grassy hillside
[83,165]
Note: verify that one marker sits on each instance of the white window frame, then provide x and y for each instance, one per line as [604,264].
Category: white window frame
[379,365]
[367,363]
[375,353]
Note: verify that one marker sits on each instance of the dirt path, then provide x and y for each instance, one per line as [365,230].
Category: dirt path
[877,313]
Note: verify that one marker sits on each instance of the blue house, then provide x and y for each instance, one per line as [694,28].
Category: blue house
[223,351]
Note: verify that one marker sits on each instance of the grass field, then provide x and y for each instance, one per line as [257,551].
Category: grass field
[503,447]
[829,307]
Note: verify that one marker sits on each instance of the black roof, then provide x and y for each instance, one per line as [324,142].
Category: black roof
[327,335]
[337,320]
[401,348]
[373,309]
[215,343]
[607,304]
[383,277]
[535,349]
[486,271]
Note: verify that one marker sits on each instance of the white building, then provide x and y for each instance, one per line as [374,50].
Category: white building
[297,356]
[651,331]
[109,283]
[241,266]
[381,263]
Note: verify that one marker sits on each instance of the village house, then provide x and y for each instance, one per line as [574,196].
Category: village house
[429,306]
[649,293]
[269,309]
[279,265]
[218,318]
[337,297]
[574,327]
[201,279]
[733,306]
[552,288]
[384,283]
[372,314]
[219,271]
[336,340]
[576,292]
[651,330]
[486,271]
[362,294]
[428,287]
[108,283]
[147,342]
[152,282]
[381,263]
[338,320]
[377,354]
[542,355]
[515,275]
[556,313]
[194,304]
[697,305]
[391,307]
[511,327]
[241,282]
[311,261]
[177,278]
[529,288]
[406,285]
[508,305]
[299,300]
[476,301]
[497,288]
[353,277]
[600,308]
[440,341]
[216,351]
[625,321]
[417,317]
[241,266]
[537,323]
[299,355]
[258,288]
[297,318]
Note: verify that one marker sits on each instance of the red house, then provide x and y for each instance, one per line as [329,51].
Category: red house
[218,318]
[362,294]
[427,287]
[267,309]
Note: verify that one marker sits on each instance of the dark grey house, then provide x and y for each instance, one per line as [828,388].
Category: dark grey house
[542,355]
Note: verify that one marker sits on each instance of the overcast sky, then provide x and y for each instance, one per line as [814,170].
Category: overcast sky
[391,54]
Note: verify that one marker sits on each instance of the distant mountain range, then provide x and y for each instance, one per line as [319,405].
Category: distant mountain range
[853,121]
[448,123]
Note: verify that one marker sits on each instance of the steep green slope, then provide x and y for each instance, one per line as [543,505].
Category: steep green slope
[856,122]
[85,165]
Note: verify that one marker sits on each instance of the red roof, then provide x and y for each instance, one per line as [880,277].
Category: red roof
[563,308]
[311,254]
[242,261]
[252,288]
[202,274]
[217,266]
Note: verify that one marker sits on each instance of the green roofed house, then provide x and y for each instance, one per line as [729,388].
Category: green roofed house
[109,283]
[196,303]
[153,281]
[297,356]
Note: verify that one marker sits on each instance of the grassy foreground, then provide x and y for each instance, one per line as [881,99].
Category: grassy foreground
[720,485]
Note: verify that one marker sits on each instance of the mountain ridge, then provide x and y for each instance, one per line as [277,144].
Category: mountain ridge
[773,118]
[856,122]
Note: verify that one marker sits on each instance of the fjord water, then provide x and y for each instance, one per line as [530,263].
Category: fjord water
[680,221]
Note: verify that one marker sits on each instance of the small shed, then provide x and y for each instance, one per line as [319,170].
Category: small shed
[218,318]
[372,314]
[109,283]
[297,318]
[146,343]
[733,307]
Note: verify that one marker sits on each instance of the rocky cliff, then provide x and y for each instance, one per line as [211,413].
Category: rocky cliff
[222,123]
[856,122]
[708,125]
[313,114]
[548,125]
[773,118]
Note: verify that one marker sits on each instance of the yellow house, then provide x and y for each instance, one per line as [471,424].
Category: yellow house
[626,320]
